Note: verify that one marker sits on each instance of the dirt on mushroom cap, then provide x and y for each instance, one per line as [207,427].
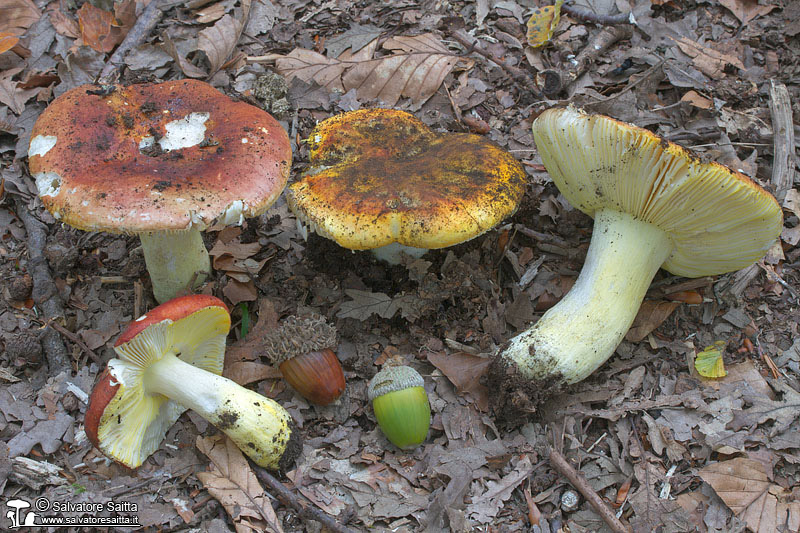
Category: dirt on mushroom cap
[108,177]
[382,176]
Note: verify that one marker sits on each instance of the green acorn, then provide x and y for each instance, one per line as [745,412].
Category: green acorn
[401,405]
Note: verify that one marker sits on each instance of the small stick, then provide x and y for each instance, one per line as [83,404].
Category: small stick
[77,340]
[601,42]
[560,463]
[136,35]
[45,294]
[307,512]
[473,45]
[597,18]
[782,169]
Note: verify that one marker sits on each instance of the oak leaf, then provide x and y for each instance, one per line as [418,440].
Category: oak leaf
[235,486]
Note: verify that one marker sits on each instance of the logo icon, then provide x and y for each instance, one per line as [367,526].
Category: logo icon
[14,514]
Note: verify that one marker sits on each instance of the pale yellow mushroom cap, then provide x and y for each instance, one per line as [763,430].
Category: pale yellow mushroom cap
[719,220]
[381,176]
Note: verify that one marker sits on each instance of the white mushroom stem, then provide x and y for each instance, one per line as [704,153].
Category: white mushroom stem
[172,259]
[393,253]
[259,426]
[581,332]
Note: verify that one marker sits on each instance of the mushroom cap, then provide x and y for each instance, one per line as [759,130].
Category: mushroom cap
[156,157]
[122,421]
[719,220]
[381,176]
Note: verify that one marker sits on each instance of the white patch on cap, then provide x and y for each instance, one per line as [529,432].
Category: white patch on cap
[146,143]
[185,132]
[85,203]
[41,144]
[140,318]
[234,213]
[48,183]
[244,140]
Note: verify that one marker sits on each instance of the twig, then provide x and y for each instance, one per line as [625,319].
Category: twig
[136,35]
[646,75]
[560,463]
[45,294]
[556,81]
[307,512]
[473,45]
[597,18]
[782,168]
[77,340]
[783,163]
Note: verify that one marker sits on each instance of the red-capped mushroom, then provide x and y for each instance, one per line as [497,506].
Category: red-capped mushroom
[170,360]
[162,161]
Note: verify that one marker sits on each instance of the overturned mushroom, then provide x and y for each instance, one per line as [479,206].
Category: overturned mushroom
[170,360]
[655,205]
[381,180]
[162,161]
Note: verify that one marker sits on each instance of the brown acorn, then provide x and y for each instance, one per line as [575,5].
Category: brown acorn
[301,347]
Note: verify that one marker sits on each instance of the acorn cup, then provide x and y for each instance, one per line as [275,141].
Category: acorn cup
[401,405]
[301,348]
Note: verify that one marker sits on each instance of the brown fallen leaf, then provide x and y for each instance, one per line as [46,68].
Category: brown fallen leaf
[7,41]
[743,486]
[11,94]
[16,16]
[235,486]
[251,347]
[464,371]
[651,315]
[95,25]
[763,409]
[747,10]
[415,69]
[707,60]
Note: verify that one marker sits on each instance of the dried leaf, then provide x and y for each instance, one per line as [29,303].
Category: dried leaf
[7,41]
[709,363]
[783,412]
[10,93]
[709,61]
[95,26]
[365,304]
[415,70]
[743,485]
[187,68]
[16,16]
[235,486]
[237,291]
[747,10]
[651,315]
[63,24]
[464,371]
[219,41]
[355,38]
[542,24]
[485,507]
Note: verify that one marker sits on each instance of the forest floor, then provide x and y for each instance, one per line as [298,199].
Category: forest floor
[664,448]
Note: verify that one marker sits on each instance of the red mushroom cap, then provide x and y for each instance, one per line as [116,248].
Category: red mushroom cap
[156,157]
[174,310]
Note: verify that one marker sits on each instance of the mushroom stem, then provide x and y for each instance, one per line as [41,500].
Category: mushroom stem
[259,426]
[581,332]
[172,260]
[392,253]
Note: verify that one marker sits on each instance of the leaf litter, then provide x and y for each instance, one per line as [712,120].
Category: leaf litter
[664,446]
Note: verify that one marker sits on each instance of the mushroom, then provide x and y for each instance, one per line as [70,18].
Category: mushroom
[163,161]
[654,204]
[170,360]
[381,180]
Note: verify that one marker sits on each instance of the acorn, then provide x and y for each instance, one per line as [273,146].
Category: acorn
[301,347]
[401,405]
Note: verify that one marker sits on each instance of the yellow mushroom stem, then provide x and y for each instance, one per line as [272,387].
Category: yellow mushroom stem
[173,258]
[259,426]
[581,332]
